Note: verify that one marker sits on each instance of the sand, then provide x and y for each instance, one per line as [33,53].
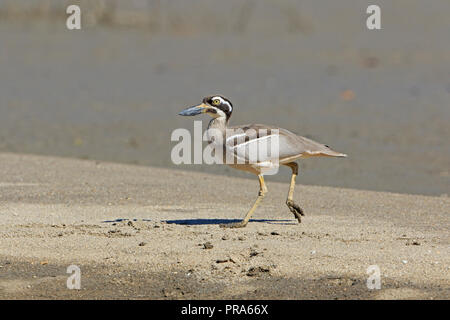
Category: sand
[149,233]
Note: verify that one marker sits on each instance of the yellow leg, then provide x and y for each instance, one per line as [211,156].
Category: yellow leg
[261,194]
[295,208]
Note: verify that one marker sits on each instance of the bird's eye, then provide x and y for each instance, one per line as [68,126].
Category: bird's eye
[216,102]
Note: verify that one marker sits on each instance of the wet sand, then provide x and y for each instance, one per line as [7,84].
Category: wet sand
[144,232]
[112,92]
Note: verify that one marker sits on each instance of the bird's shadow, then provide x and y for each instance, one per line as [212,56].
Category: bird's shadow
[197,222]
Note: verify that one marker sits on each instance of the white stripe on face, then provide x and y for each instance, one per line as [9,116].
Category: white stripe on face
[222,101]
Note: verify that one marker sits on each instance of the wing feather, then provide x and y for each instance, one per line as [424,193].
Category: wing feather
[291,145]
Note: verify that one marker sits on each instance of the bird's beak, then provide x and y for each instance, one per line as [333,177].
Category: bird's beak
[195,110]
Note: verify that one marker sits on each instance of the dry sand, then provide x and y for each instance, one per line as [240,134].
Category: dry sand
[143,232]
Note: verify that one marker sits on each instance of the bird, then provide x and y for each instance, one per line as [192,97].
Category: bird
[291,147]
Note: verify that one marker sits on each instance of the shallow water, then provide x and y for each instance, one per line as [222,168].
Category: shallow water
[110,93]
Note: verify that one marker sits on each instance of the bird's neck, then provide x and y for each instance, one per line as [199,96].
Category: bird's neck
[219,123]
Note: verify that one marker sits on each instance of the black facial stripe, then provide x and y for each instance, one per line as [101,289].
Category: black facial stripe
[223,106]
[225,110]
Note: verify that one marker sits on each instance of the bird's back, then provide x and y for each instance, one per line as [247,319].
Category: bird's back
[291,145]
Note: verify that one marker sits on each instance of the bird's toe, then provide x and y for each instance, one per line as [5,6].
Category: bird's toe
[296,210]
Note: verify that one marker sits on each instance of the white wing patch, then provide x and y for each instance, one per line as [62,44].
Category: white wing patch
[248,148]
[257,140]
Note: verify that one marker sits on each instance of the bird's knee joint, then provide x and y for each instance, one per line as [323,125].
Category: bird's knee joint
[294,167]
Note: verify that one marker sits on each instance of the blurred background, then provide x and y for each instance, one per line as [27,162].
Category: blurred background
[112,90]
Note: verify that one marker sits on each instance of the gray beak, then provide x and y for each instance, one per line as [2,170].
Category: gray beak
[195,110]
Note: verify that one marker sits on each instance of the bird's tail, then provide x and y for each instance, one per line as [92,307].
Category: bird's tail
[332,153]
[323,153]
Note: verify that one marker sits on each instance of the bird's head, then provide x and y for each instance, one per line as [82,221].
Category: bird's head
[216,106]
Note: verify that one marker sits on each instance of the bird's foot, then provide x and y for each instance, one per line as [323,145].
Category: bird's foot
[240,224]
[296,210]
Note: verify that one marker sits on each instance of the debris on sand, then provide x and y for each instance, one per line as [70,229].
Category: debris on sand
[229,259]
[258,271]
[412,243]
[208,245]
[254,252]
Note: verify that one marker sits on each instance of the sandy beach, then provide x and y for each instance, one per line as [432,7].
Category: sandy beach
[87,180]
[143,232]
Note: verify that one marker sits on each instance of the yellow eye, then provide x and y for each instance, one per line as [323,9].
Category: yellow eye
[216,102]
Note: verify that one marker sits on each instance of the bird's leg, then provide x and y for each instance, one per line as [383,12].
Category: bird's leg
[261,194]
[295,208]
